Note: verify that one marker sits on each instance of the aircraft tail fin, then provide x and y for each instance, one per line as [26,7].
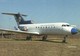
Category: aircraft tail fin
[19,19]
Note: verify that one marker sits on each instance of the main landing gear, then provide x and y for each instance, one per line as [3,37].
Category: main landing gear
[29,37]
[44,37]
[64,40]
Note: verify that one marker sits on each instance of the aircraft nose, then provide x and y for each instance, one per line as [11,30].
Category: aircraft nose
[74,31]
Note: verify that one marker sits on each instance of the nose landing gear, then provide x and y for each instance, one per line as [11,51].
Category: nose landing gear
[64,40]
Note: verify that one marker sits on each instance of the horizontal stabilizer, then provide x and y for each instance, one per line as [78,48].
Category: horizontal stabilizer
[14,14]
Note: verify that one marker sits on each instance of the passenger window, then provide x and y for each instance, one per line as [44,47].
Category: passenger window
[46,26]
[63,25]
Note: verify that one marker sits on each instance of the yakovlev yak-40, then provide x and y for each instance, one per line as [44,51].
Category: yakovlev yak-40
[41,29]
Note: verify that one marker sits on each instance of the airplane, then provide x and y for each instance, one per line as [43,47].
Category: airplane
[41,29]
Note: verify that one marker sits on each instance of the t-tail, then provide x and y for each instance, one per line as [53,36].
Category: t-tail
[19,19]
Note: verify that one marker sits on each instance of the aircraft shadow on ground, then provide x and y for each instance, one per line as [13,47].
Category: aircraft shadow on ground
[20,39]
[52,41]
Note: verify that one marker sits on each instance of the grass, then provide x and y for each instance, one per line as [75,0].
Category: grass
[52,47]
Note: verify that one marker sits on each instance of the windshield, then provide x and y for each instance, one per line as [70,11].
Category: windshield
[65,25]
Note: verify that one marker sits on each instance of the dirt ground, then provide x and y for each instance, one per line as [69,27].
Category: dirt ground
[52,47]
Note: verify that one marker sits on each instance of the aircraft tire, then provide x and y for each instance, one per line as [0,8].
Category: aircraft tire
[44,38]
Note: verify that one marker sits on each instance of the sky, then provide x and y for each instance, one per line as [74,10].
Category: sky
[40,11]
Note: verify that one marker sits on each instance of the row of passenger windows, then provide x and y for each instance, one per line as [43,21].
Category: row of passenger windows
[51,26]
[46,27]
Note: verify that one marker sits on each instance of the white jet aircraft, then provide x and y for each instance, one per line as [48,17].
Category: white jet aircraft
[42,29]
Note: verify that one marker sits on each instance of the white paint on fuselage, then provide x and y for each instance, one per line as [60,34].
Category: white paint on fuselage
[48,28]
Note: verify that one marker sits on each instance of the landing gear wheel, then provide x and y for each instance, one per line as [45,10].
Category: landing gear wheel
[64,40]
[44,38]
[29,38]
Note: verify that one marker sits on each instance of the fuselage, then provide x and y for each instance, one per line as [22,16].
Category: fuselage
[43,28]
[49,28]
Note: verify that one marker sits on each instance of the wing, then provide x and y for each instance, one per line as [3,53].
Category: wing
[18,31]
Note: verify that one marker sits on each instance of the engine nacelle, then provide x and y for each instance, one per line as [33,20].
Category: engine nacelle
[23,28]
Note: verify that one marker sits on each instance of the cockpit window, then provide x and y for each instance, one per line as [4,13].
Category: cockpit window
[65,25]
[68,25]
